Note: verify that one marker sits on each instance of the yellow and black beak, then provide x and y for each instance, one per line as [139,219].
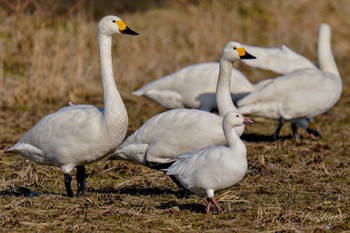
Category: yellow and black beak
[127,30]
[244,54]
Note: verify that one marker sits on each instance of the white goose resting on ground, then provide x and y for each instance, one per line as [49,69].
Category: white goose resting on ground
[214,168]
[303,93]
[160,140]
[81,134]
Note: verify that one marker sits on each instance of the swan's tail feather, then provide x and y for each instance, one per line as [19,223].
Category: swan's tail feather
[24,148]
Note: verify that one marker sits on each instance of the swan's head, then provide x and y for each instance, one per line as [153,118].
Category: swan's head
[234,51]
[234,119]
[110,25]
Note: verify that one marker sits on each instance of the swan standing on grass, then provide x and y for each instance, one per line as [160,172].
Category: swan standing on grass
[303,93]
[164,137]
[80,134]
[214,168]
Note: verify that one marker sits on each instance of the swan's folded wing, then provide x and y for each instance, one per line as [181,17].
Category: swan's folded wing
[188,163]
[280,60]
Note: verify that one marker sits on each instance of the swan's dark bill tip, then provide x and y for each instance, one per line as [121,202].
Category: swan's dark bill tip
[129,31]
[247,56]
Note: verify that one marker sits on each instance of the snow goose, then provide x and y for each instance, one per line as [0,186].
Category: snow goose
[303,93]
[214,168]
[81,134]
[160,140]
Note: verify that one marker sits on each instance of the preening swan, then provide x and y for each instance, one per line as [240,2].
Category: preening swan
[214,168]
[164,137]
[303,93]
[80,134]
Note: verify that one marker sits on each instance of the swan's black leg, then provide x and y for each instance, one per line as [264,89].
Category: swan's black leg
[67,181]
[295,134]
[277,132]
[81,179]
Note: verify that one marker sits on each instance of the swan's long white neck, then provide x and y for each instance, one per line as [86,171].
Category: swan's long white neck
[114,109]
[232,138]
[223,89]
[325,56]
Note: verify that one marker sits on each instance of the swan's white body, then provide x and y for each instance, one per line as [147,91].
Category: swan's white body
[80,134]
[214,168]
[166,136]
[303,93]
[193,87]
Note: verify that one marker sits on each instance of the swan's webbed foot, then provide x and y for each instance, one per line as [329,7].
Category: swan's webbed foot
[81,179]
[213,200]
[67,183]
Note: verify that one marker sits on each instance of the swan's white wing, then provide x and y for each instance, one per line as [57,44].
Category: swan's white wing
[170,134]
[280,60]
[191,162]
[66,135]
[302,93]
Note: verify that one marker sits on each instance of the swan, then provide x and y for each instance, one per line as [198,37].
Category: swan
[193,86]
[303,93]
[214,168]
[77,135]
[160,140]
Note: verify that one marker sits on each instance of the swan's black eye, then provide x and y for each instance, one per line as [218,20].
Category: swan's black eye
[237,115]
[113,21]
[234,48]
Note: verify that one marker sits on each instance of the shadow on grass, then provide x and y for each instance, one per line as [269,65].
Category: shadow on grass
[263,138]
[133,190]
[19,191]
[194,207]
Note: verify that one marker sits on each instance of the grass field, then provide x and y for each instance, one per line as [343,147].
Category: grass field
[45,62]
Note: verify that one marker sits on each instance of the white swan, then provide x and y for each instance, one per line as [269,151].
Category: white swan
[193,87]
[303,93]
[214,168]
[80,134]
[166,136]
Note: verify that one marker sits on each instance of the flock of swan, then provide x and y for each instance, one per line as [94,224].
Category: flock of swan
[202,151]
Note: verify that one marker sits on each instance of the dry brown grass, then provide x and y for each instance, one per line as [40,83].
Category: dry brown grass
[290,186]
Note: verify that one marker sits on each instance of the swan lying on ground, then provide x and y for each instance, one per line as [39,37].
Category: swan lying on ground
[214,168]
[77,135]
[304,93]
[160,140]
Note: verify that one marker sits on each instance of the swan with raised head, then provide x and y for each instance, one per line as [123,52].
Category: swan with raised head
[160,140]
[77,135]
[214,168]
[304,93]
